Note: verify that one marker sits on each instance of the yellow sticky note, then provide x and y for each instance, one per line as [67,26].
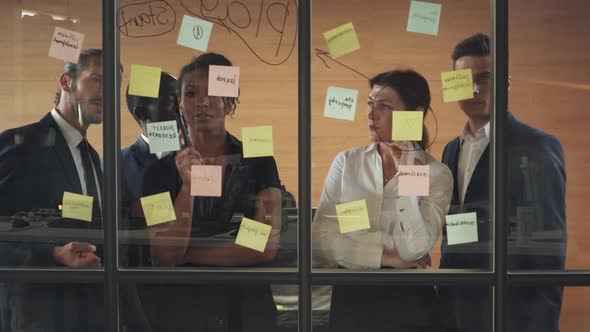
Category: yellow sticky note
[158,208]
[257,141]
[352,216]
[457,85]
[253,234]
[342,40]
[145,81]
[77,206]
[407,125]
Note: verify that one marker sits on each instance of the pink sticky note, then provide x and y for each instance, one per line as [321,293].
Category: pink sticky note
[66,45]
[206,180]
[414,180]
[224,81]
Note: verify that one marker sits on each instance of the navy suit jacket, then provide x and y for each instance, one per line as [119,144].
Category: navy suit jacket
[535,202]
[36,167]
[135,159]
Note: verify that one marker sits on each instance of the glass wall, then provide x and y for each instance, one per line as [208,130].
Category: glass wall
[222,110]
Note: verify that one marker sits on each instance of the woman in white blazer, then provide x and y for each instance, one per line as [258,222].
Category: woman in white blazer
[403,229]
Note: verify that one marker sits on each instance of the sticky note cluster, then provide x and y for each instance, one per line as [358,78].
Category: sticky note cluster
[340,103]
[257,141]
[76,206]
[424,17]
[461,228]
[145,81]
[407,125]
[66,45]
[158,208]
[457,85]
[352,216]
[163,136]
[253,234]
[206,180]
[342,40]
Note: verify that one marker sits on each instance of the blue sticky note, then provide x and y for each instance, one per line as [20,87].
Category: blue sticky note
[424,17]
[340,103]
[194,33]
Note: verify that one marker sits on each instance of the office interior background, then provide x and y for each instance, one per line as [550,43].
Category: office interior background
[549,65]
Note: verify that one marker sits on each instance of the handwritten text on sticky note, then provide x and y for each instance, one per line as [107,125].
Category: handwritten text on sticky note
[424,17]
[253,234]
[158,208]
[206,180]
[342,40]
[194,33]
[257,141]
[414,180]
[77,206]
[461,228]
[224,81]
[340,103]
[407,125]
[163,136]
[457,85]
[352,216]
[144,81]
[66,45]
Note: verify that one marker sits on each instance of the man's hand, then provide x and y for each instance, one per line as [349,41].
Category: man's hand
[76,254]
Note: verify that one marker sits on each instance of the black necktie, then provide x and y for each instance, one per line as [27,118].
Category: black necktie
[91,185]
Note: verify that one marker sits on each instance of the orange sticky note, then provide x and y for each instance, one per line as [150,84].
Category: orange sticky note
[145,81]
[253,234]
[414,180]
[158,208]
[407,125]
[224,81]
[257,141]
[352,216]
[342,40]
[457,85]
[77,206]
[206,180]
[66,45]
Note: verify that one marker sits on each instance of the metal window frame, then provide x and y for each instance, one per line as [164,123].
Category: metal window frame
[500,279]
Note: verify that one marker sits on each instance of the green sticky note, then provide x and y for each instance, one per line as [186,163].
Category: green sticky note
[407,125]
[158,208]
[257,141]
[194,33]
[163,136]
[253,234]
[342,40]
[352,216]
[461,228]
[424,17]
[145,81]
[340,103]
[457,85]
[77,206]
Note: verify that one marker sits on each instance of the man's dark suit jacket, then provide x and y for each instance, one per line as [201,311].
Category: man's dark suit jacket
[535,201]
[36,167]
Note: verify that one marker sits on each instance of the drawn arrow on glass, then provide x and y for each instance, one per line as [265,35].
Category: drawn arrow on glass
[323,56]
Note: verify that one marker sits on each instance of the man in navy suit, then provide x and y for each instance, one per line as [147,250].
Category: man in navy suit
[38,163]
[535,191]
[136,158]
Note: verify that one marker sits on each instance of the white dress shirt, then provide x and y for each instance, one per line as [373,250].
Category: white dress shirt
[471,151]
[73,138]
[410,225]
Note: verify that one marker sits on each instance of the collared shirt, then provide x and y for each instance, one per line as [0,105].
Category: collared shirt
[408,224]
[73,138]
[159,155]
[471,151]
